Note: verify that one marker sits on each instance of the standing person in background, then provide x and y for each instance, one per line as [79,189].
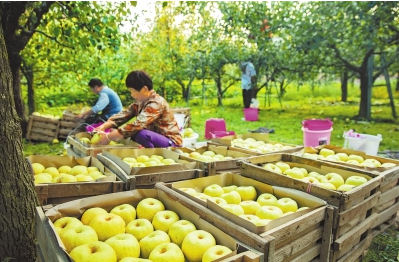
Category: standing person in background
[155,124]
[248,82]
[108,103]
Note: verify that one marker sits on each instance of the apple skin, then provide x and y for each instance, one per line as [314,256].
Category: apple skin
[283,166]
[90,213]
[189,190]
[327,185]
[139,228]
[37,168]
[342,156]
[164,219]
[345,188]
[287,204]
[250,207]
[232,197]
[234,209]
[213,190]
[326,152]
[358,158]
[125,211]
[178,231]
[218,200]
[273,168]
[356,180]
[148,207]
[196,243]
[310,179]
[269,212]
[335,179]
[294,173]
[388,164]
[167,252]
[124,245]
[149,242]
[267,199]
[78,236]
[215,252]
[247,193]
[230,188]
[353,162]
[64,223]
[94,251]
[133,259]
[107,225]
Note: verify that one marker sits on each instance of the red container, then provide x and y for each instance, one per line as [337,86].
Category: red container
[317,124]
[213,125]
[251,114]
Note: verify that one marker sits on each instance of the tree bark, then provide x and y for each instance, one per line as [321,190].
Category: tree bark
[27,71]
[17,192]
[344,86]
[397,82]
[363,108]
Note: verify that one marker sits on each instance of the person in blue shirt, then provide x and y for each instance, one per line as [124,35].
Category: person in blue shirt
[108,103]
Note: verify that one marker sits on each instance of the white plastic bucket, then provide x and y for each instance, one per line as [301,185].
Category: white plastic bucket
[313,138]
[366,143]
[180,120]
[190,141]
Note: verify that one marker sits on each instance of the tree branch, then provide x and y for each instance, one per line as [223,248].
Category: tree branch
[46,35]
[346,63]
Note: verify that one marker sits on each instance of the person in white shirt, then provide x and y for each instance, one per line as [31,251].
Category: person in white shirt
[248,82]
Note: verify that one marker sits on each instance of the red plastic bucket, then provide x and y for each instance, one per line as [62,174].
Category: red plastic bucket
[251,114]
[317,124]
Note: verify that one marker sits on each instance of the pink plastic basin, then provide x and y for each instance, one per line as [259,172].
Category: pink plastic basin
[317,124]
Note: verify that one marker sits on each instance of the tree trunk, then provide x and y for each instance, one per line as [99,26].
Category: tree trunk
[17,193]
[27,71]
[397,83]
[344,86]
[364,112]
[218,81]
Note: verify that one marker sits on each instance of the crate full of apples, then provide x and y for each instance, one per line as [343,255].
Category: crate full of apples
[142,168]
[85,144]
[63,178]
[124,226]
[256,144]
[213,158]
[251,210]
[352,192]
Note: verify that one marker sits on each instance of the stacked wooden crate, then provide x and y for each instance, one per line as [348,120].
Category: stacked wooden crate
[41,128]
[69,125]
[353,210]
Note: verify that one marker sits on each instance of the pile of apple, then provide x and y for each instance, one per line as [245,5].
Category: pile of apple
[328,154]
[332,181]
[65,174]
[187,133]
[207,156]
[126,233]
[244,202]
[145,161]
[258,145]
[95,139]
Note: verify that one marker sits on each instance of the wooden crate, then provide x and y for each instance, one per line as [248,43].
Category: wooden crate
[51,245]
[147,177]
[353,210]
[42,128]
[306,238]
[185,111]
[213,167]
[69,126]
[83,149]
[247,256]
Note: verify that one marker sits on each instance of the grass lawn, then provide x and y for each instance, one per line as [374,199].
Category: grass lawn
[286,118]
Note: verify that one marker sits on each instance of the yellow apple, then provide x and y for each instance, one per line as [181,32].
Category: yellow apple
[179,229]
[153,239]
[325,152]
[164,219]
[327,185]
[314,174]
[367,164]
[67,178]
[77,236]
[342,156]
[303,170]
[273,168]
[188,190]
[302,208]
[196,243]
[142,158]
[95,138]
[335,179]
[92,168]
[387,164]
[358,158]
[247,192]
[129,159]
[124,245]
[64,223]
[42,178]
[345,187]
[204,158]
[310,155]
[168,161]
[79,169]
[107,225]
[269,212]
[139,228]
[64,169]
[230,188]
[213,190]
[83,178]
[283,166]
[209,153]
[353,162]
[232,197]
[37,168]
[233,208]
[148,207]
[203,197]
[250,207]
[53,171]
[267,199]
[294,173]
[90,213]
[151,163]
[125,211]
[218,200]
[94,251]
[167,252]
[287,204]
[251,218]
[227,158]
[194,154]
[85,140]
[310,179]
[356,180]
[215,252]
[133,259]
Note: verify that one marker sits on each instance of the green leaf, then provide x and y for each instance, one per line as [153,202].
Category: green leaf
[33,18]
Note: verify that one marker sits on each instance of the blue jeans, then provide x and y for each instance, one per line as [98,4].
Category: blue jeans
[151,139]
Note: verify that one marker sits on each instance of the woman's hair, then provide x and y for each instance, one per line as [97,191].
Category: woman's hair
[138,79]
[95,82]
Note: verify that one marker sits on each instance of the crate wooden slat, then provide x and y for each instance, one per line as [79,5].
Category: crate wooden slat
[304,238]
[148,180]
[247,256]
[42,128]
[69,125]
[350,208]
